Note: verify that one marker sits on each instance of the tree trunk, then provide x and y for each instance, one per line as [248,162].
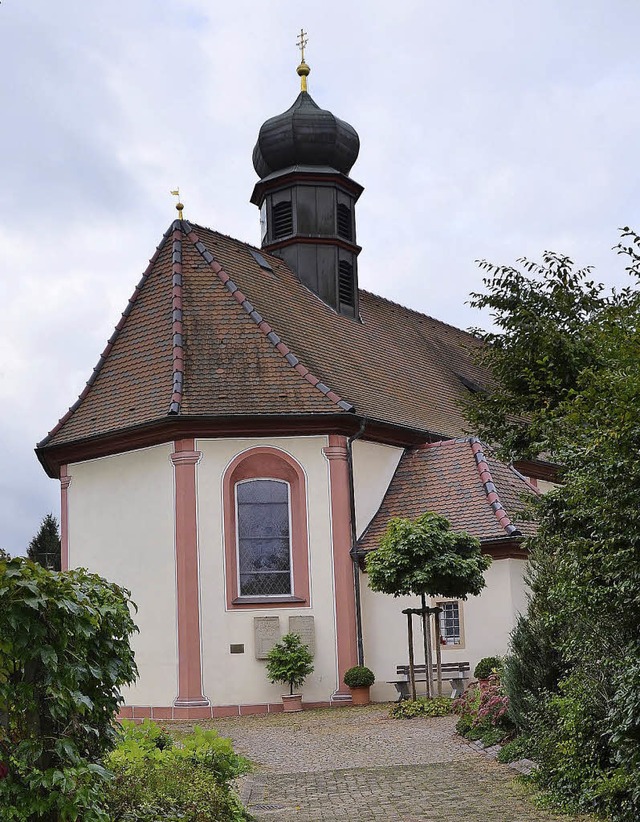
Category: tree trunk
[436,615]
[412,669]
[426,638]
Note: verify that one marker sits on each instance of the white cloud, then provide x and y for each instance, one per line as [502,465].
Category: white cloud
[488,128]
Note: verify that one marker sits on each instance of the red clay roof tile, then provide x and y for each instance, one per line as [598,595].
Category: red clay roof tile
[444,477]
[198,338]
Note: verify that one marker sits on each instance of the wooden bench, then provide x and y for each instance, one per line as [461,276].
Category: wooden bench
[454,672]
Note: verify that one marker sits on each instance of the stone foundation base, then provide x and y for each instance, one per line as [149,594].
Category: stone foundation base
[170,713]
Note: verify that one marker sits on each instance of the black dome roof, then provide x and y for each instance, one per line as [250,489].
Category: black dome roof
[305,135]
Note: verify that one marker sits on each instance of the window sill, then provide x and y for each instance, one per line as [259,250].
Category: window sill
[265,600]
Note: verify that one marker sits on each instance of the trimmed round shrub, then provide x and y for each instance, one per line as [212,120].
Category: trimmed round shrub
[359,677]
[487,666]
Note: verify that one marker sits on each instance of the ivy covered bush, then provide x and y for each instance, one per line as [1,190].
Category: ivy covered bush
[64,654]
[436,706]
[156,779]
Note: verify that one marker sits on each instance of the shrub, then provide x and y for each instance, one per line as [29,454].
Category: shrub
[487,666]
[519,748]
[483,713]
[64,653]
[359,677]
[289,662]
[156,779]
[436,706]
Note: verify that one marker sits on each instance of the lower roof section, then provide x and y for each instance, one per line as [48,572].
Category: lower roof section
[461,481]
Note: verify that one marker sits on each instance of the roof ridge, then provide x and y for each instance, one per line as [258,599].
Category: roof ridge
[260,322]
[111,341]
[176,318]
[490,488]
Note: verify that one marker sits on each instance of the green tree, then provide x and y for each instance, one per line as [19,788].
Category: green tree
[424,557]
[45,546]
[289,662]
[566,358]
[64,654]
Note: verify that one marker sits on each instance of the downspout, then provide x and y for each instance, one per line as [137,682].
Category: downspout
[354,539]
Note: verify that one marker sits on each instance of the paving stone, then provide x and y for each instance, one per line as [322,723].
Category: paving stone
[357,765]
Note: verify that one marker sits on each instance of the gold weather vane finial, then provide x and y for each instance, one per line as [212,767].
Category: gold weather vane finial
[303,69]
[179,205]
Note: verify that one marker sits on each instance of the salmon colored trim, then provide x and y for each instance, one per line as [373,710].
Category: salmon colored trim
[65,482]
[184,460]
[267,461]
[336,454]
[168,713]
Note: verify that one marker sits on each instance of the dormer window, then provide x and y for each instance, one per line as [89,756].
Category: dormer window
[282,220]
[345,222]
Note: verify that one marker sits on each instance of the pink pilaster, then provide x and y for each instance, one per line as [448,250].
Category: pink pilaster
[345,606]
[65,482]
[184,460]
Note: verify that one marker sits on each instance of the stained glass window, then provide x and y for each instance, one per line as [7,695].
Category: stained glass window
[264,542]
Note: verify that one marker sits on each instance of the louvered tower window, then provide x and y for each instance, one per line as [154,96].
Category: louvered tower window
[282,220]
[345,222]
[346,290]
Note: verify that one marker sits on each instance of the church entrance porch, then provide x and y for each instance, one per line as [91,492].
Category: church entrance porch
[357,765]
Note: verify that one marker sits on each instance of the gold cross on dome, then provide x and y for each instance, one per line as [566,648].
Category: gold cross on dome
[301,43]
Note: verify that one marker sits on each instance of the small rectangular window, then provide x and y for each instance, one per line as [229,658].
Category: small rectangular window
[451,633]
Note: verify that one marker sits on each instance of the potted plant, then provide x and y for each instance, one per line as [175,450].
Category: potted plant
[487,666]
[290,662]
[359,679]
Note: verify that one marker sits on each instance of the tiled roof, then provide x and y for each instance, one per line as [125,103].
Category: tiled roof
[209,331]
[460,481]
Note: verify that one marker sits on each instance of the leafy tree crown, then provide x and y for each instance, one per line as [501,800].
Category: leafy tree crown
[425,556]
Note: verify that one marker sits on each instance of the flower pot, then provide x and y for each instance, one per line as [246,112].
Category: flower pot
[360,696]
[292,702]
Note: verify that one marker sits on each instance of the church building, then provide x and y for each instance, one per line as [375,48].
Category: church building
[253,423]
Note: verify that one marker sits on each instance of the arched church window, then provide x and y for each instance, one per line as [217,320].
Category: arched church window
[265,530]
[264,538]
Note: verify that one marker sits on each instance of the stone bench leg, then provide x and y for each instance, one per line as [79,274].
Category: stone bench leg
[457,687]
[403,690]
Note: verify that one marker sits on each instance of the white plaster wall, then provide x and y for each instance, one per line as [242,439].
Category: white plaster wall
[373,468]
[121,526]
[488,621]
[241,678]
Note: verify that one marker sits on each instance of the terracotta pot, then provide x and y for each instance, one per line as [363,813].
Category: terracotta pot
[360,696]
[292,702]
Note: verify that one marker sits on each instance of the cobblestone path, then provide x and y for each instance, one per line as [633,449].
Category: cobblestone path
[356,765]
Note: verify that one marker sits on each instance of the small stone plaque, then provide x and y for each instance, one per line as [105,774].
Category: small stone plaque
[236,649]
[305,627]
[266,632]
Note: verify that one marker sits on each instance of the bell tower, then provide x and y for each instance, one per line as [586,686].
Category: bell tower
[306,197]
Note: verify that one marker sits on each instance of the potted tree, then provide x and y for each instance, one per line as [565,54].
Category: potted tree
[290,662]
[359,679]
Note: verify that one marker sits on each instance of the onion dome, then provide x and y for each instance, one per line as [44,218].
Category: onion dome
[305,135]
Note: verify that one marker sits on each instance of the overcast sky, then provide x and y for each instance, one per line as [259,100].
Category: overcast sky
[489,128]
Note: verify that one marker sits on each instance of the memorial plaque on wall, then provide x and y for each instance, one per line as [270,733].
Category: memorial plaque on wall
[267,632]
[304,626]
